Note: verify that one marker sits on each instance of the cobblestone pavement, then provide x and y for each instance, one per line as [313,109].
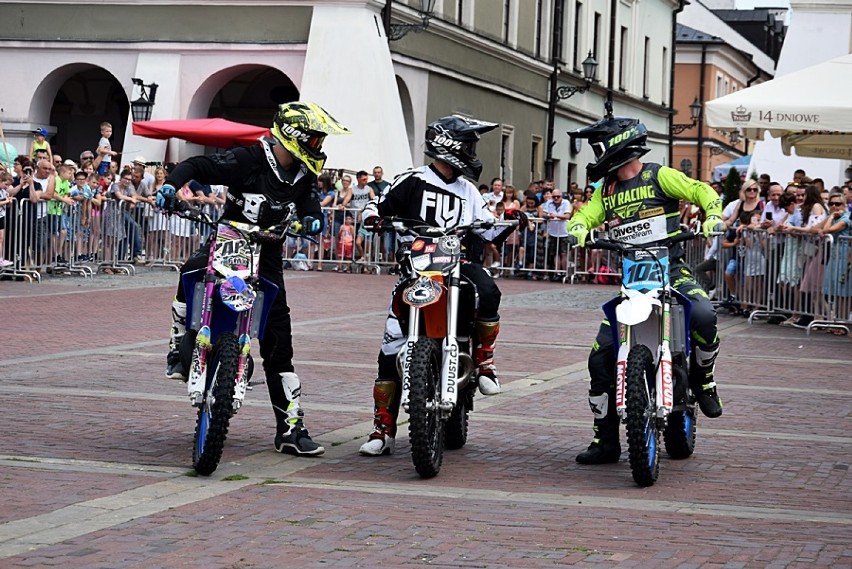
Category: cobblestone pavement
[96,447]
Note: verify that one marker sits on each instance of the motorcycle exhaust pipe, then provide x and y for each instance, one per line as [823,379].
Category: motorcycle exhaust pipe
[466,369]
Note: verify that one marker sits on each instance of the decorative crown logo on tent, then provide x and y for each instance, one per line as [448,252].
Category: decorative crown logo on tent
[740,114]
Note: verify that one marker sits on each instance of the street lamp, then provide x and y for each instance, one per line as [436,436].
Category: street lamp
[398,31]
[590,75]
[141,108]
[694,112]
[734,137]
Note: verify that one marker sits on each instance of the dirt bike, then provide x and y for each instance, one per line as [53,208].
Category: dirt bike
[650,326]
[439,377]
[227,305]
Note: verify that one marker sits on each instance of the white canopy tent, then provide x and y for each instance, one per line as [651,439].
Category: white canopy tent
[810,110]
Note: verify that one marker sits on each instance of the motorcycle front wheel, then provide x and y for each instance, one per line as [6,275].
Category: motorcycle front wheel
[215,413]
[642,435]
[425,428]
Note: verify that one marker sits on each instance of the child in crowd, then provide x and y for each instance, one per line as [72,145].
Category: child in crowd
[81,220]
[5,200]
[40,143]
[105,151]
[345,242]
[754,259]
[58,214]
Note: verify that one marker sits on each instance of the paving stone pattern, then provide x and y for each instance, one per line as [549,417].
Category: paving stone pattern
[95,461]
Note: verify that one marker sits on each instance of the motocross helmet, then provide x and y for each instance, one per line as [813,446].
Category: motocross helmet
[301,128]
[453,140]
[615,142]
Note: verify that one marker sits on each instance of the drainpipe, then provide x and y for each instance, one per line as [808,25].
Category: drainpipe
[700,127]
[555,52]
[675,12]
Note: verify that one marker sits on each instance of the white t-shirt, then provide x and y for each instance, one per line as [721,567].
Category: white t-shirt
[557,227]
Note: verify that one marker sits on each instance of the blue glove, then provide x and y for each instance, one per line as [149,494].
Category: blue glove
[166,197]
[312,226]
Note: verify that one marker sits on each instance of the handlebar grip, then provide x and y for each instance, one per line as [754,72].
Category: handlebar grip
[603,244]
[685,236]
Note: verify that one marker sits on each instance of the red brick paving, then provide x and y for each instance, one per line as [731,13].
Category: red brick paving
[800,462]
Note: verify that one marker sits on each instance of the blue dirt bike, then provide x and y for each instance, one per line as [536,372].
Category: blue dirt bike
[227,305]
[650,326]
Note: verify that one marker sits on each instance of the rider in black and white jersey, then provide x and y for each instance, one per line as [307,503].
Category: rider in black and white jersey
[439,196]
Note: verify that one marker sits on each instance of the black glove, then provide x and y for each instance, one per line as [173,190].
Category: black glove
[374,223]
[312,225]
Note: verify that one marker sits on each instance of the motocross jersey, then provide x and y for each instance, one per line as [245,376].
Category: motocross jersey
[423,194]
[258,189]
[645,208]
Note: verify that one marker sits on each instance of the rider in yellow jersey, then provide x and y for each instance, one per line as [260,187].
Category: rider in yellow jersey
[639,202]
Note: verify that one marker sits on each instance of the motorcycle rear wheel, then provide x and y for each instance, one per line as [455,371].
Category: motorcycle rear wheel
[680,433]
[214,416]
[425,428]
[643,437]
[455,429]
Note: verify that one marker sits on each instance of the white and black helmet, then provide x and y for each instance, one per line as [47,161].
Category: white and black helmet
[453,140]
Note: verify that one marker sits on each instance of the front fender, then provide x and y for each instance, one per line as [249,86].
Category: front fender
[636,306]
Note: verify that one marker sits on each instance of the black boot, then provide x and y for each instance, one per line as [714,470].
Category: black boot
[606,446]
[704,387]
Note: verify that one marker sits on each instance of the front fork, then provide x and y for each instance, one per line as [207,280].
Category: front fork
[449,348]
[664,392]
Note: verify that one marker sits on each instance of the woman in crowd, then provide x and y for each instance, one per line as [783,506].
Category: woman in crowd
[813,271]
[510,198]
[341,202]
[158,245]
[749,202]
[531,243]
[325,190]
[837,286]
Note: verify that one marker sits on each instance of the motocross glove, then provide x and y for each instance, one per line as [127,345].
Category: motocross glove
[713,224]
[166,197]
[373,223]
[523,220]
[312,225]
[577,233]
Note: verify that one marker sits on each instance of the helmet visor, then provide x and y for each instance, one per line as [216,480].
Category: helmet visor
[314,142]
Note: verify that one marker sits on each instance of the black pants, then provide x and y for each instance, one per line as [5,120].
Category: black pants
[276,346]
[602,359]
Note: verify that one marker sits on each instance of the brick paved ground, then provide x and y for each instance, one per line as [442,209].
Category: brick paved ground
[96,447]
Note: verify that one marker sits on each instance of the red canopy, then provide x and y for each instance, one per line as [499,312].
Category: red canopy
[220,133]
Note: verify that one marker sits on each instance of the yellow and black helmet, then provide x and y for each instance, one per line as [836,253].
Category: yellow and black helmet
[301,127]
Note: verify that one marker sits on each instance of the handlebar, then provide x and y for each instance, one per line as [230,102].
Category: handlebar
[622,246]
[288,228]
[415,227]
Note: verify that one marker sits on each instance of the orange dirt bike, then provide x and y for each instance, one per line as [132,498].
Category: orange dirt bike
[439,377]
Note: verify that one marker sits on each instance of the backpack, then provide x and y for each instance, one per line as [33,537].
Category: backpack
[300,262]
[606,276]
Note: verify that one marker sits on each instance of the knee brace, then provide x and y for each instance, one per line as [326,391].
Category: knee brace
[599,404]
[705,356]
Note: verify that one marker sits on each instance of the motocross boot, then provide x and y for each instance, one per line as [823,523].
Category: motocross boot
[702,383]
[381,440]
[174,365]
[606,446]
[483,356]
[293,437]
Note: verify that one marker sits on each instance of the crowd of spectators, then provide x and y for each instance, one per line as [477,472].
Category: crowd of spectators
[100,208]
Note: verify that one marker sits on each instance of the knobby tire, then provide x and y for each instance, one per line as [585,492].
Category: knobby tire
[214,416]
[643,437]
[679,434]
[425,431]
[455,430]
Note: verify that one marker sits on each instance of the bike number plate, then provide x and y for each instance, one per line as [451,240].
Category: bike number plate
[233,254]
[646,269]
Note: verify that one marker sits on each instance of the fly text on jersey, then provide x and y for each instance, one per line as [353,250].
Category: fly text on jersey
[629,196]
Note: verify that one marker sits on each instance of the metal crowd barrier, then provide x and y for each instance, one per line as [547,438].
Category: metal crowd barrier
[112,237]
[765,275]
[802,279]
